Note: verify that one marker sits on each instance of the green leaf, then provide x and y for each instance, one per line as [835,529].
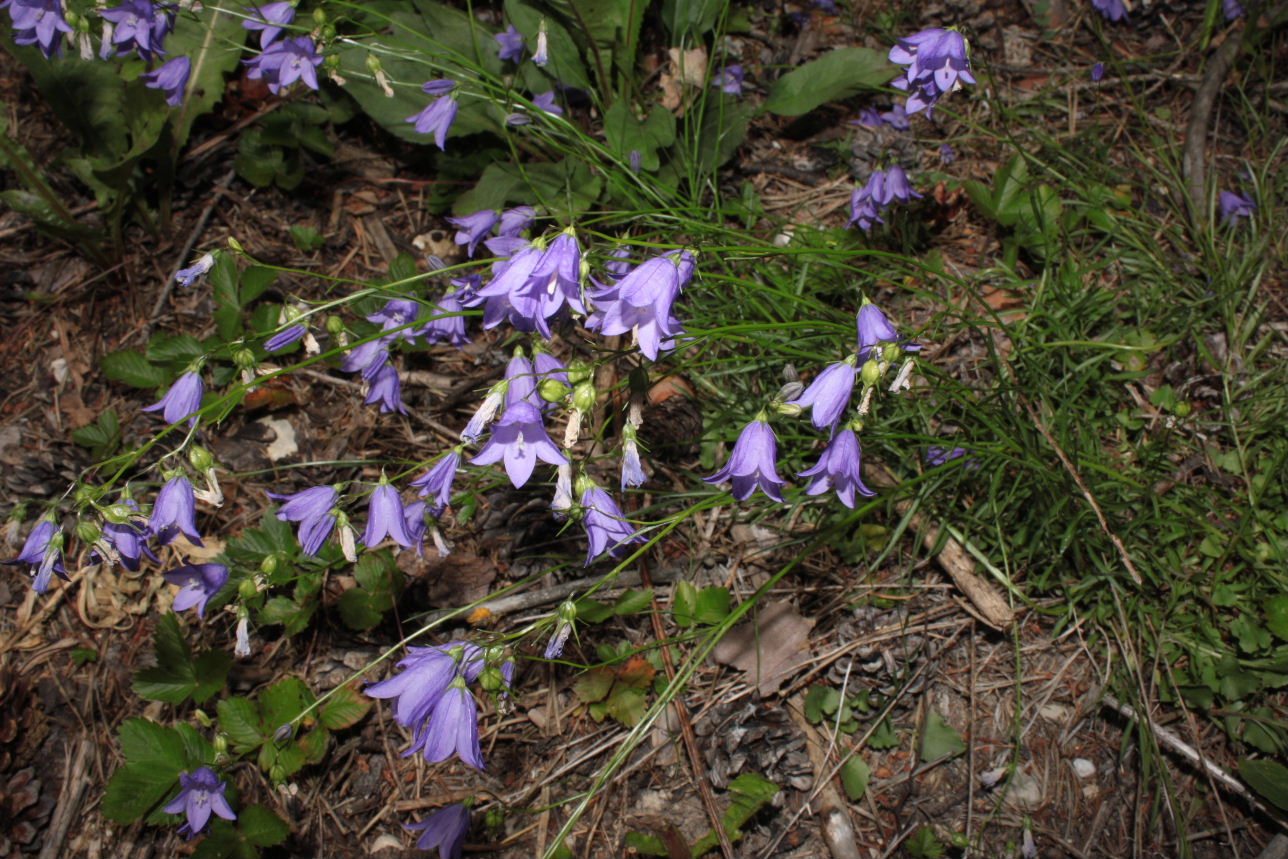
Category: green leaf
[212,40]
[691,20]
[854,777]
[633,602]
[129,366]
[357,609]
[239,719]
[1268,778]
[627,706]
[593,686]
[683,600]
[283,702]
[713,604]
[306,238]
[750,792]
[344,708]
[626,133]
[884,737]
[593,611]
[292,614]
[837,74]
[649,845]
[174,677]
[721,131]
[939,739]
[1277,616]
[177,348]
[211,673]
[821,701]
[154,757]
[262,827]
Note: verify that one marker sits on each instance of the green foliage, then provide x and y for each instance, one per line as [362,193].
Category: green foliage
[268,727]
[749,793]
[630,602]
[939,739]
[620,692]
[102,437]
[691,606]
[924,844]
[854,777]
[256,827]
[838,74]
[1268,778]
[155,755]
[178,675]
[380,583]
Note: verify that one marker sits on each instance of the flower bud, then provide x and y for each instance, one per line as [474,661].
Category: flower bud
[789,409]
[244,358]
[203,718]
[268,566]
[87,531]
[334,325]
[582,485]
[277,774]
[247,589]
[319,16]
[553,390]
[870,373]
[567,612]
[579,371]
[117,514]
[283,733]
[491,679]
[221,743]
[583,397]
[235,245]
[201,459]
[890,352]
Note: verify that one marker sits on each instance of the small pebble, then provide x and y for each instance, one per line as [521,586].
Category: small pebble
[1083,768]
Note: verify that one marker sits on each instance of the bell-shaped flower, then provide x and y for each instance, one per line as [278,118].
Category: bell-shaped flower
[197,584]
[386,389]
[511,44]
[313,509]
[170,77]
[520,439]
[445,828]
[607,530]
[39,22]
[188,276]
[438,481]
[183,400]
[828,394]
[43,552]
[446,322]
[752,466]
[515,221]
[641,303]
[839,468]
[937,62]
[875,329]
[284,62]
[140,25]
[385,517]
[438,116]
[1235,206]
[201,793]
[452,729]
[424,676]
[270,19]
[129,538]
[472,229]
[175,512]
[1112,10]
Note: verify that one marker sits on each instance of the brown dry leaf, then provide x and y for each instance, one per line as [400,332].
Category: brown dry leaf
[74,408]
[769,648]
[361,203]
[687,68]
[460,578]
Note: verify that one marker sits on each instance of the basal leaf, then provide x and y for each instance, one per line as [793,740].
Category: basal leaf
[837,74]
[939,739]
[854,777]
[130,367]
[344,708]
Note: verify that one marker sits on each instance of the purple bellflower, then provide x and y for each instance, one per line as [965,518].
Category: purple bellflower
[129,538]
[171,77]
[424,676]
[829,394]
[285,337]
[414,519]
[641,302]
[1112,10]
[175,512]
[869,117]
[521,381]
[897,118]
[197,584]
[554,282]
[386,389]
[511,43]
[839,468]
[937,63]
[188,276]
[1232,9]
[1235,206]
[1097,72]
[474,228]
[43,552]
[619,262]
[874,329]
[39,22]
[513,295]
[385,517]
[632,469]
[883,188]
[269,19]
[140,25]
[183,400]
[947,155]
[729,79]
[367,358]
[284,62]
[446,323]
[515,221]
[751,465]
[452,729]
[606,528]
[439,114]
[437,481]
[520,439]
[312,508]
[545,102]
[445,828]
[396,317]
[936,456]
[200,795]
[541,55]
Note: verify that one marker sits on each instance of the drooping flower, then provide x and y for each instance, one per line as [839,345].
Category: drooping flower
[188,276]
[486,411]
[515,221]
[839,468]
[519,439]
[452,729]
[607,530]
[39,22]
[1232,9]
[424,676]
[729,80]
[284,62]
[386,389]
[937,63]
[201,793]
[751,465]
[564,619]
[1112,10]
[445,828]
[1235,205]
[541,55]
[1097,72]
[439,114]
[883,188]
[874,329]
[269,19]
[197,584]
[183,400]
[511,43]
[367,358]
[828,394]
[129,537]
[474,228]
[175,512]
[395,318]
[937,456]
[545,102]
[437,481]
[446,323]
[285,337]
[897,118]
[632,469]
[385,517]
[312,508]
[43,552]
[170,77]
[947,155]
[642,301]
[140,25]
[869,117]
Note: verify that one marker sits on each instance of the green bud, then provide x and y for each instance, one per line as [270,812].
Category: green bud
[201,459]
[1182,409]
[567,611]
[235,245]
[494,819]
[373,64]
[247,589]
[319,16]
[579,371]
[334,325]
[87,531]
[871,373]
[277,774]
[891,352]
[553,390]
[117,514]
[583,397]
[789,409]
[244,358]
[86,494]
[328,33]
[582,485]
[203,718]
[221,743]
[290,313]
[491,679]
[268,566]
[331,62]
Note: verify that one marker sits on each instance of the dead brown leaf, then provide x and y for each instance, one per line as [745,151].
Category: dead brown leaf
[768,648]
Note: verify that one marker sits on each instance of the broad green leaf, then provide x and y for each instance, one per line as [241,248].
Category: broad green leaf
[239,719]
[594,685]
[282,703]
[939,739]
[837,74]
[649,845]
[254,281]
[1268,778]
[683,600]
[344,708]
[633,602]
[626,133]
[565,63]
[627,706]
[1277,616]
[497,185]
[44,213]
[713,604]
[749,793]
[130,367]
[722,129]
[854,777]
[690,20]
[212,40]
[593,611]
[174,677]
[179,348]
[210,671]
[821,701]
[262,827]
[357,609]
[154,757]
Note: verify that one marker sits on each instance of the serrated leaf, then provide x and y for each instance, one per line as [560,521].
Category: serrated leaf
[313,745]
[173,679]
[344,708]
[593,611]
[211,673]
[821,701]
[854,777]
[1277,616]
[939,739]
[283,702]
[1268,778]
[239,719]
[357,610]
[178,348]
[837,74]
[683,600]
[129,366]
[627,706]
[154,757]
[713,604]
[255,280]
[262,827]
[593,685]
[633,602]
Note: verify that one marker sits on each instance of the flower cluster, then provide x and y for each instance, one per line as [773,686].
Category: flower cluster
[937,62]
[867,204]
[285,61]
